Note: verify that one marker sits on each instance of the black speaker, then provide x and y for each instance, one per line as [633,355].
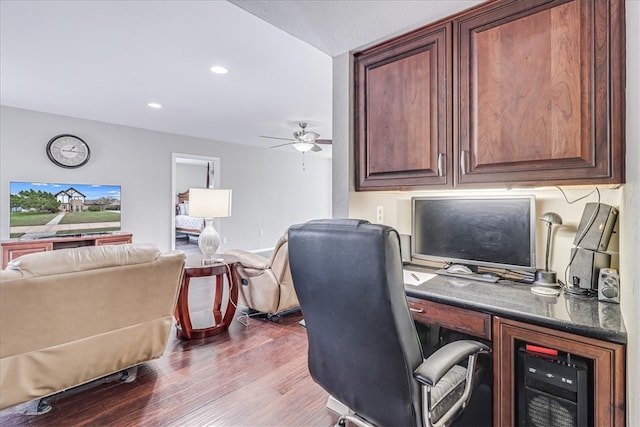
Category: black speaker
[597,235]
[553,390]
[405,248]
[585,267]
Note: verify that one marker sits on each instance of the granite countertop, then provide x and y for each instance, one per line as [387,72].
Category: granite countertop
[579,315]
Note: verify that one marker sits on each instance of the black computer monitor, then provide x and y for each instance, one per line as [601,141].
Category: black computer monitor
[496,232]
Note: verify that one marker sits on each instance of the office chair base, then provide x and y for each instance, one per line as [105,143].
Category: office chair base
[353,419]
[347,416]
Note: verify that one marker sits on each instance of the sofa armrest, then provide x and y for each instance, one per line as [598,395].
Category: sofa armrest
[249,259]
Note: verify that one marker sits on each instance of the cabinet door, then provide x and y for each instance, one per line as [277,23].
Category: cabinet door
[403,119]
[539,97]
[608,369]
[116,239]
[12,251]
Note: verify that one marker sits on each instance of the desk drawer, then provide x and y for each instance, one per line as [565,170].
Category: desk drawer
[458,319]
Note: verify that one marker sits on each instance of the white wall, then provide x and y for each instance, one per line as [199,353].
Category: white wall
[397,213]
[630,219]
[363,204]
[190,176]
[342,140]
[270,189]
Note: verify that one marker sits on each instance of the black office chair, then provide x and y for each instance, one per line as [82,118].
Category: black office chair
[363,345]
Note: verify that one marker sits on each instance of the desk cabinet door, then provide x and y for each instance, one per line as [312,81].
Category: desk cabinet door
[608,404]
[457,319]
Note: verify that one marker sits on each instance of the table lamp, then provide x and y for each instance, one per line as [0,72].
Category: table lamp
[548,277]
[208,204]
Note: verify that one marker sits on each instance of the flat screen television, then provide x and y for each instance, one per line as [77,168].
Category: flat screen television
[45,209]
[497,232]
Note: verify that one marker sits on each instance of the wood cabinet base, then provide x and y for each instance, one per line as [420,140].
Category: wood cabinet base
[12,249]
[608,369]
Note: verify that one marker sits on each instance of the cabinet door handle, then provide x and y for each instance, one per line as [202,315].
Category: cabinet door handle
[416,310]
[440,156]
[463,165]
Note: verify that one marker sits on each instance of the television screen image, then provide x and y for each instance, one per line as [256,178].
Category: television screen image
[496,232]
[42,209]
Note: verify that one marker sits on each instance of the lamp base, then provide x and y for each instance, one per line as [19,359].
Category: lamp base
[208,242]
[546,278]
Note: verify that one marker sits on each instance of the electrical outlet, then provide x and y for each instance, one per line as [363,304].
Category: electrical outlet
[225,240]
[379,214]
[261,232]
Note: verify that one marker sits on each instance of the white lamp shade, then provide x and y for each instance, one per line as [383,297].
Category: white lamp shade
[209,203]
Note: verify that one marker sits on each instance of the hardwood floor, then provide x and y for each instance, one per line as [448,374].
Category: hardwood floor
[250,376]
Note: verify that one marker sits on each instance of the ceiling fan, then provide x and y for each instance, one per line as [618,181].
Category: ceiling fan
[303,140]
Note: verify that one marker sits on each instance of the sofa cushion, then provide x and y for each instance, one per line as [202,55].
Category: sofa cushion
[82,259]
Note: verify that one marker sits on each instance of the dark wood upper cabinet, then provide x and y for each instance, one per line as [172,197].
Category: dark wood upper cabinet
[539,93]
[403,111]
[512,92]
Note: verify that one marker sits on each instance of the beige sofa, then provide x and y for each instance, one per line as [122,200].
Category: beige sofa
[70,316]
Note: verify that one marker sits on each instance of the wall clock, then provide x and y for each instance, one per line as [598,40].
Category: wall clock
[68,151]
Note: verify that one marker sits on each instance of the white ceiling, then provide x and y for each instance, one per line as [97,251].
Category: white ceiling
[105,60]
[339,26]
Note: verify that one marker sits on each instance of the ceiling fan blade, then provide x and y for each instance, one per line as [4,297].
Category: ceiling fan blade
[323,141]
[316,148]
[282,145]
[276,137]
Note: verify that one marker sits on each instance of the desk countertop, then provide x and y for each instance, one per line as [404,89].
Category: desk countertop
[579,315]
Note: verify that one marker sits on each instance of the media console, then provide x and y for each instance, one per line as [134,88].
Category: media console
[12,249]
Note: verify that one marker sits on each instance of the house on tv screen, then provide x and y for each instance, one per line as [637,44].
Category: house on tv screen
[71,200]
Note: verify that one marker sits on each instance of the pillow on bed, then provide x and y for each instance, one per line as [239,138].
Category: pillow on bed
[182,209]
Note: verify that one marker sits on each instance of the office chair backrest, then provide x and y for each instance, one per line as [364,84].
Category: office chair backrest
[363,345]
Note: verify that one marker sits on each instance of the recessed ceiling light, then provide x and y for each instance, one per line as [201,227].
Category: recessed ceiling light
[154,105]
[219,69]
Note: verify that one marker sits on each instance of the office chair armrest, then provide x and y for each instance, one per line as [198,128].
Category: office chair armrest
[439,363]
[249,259]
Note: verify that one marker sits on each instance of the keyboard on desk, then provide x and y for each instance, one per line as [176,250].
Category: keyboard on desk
[483,277]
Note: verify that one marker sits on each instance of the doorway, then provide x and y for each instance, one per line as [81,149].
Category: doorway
[190,171]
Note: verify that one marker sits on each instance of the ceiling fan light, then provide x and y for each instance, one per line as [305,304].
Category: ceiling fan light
[303,147]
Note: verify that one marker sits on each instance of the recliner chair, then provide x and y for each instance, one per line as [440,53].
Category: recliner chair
[266,284]
[363,346]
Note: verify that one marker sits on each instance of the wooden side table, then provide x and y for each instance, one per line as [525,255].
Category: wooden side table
[220,270]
